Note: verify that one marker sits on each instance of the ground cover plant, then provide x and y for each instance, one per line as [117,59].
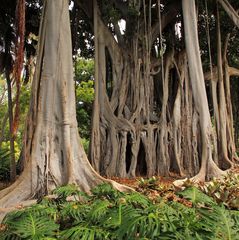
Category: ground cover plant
[156,212]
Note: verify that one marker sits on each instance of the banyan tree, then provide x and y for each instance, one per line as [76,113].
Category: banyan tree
[53,155]
[159,108]
[155,109]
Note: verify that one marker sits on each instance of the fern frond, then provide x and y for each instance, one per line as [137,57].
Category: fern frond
[37,210]
[7,235]
[138,223]
[105,190]
[137,199]
[98,210]
[30,226]
[222,221]
[75,211]
[69,190]
[113,219]
[196,196]
[85,232]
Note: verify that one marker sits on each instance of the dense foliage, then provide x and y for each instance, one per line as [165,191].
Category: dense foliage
[84,77]
[109,214]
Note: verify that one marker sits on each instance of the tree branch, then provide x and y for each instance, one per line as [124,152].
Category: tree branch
[231,71]
[87,7]
[167,17]
[230,11]
[122,6]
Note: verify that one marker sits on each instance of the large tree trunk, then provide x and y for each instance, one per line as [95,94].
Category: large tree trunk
[125,136]
[146,124]
[53,154]
[208,167]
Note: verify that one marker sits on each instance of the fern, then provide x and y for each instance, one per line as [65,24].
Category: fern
[37,210]
[106,191]
[222,221]
[214,219]
[84,232]
[72,211]
[30,226]
[70,190]
[136,199]
[196,196]
[98,210]
[113,219]
[138,223]
[109,214]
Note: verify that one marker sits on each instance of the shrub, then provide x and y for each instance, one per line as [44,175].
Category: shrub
[109,214]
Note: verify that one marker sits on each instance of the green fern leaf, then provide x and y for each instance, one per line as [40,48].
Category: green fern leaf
[137,199]
[30,226]
[196,196]
[106,191]
[84,232]
[73,210]
[222,221]
[69,190]
[98,210]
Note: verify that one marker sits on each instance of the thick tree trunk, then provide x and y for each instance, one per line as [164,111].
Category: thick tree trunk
[154,119]
[122,126]
[148,124]
[208,167]
[53,153]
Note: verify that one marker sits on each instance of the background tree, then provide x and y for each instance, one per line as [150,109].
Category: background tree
[145,116]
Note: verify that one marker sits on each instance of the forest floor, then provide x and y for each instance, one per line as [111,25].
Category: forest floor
[134,182]
[166,181]
[156,208]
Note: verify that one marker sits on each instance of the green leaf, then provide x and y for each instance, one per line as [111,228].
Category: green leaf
[30,226]
[195,196]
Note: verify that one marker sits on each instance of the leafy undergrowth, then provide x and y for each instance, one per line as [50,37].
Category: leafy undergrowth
[154,212]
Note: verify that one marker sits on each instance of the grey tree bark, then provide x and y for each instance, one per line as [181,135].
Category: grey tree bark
[148,125]
[53,155]
[208,166]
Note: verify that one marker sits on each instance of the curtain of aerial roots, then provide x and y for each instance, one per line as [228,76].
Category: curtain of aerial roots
[224,145]
[147,118]
[144,122]
[53,155]
[225,121]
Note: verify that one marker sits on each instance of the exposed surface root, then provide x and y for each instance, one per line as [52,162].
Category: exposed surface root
[17,206]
